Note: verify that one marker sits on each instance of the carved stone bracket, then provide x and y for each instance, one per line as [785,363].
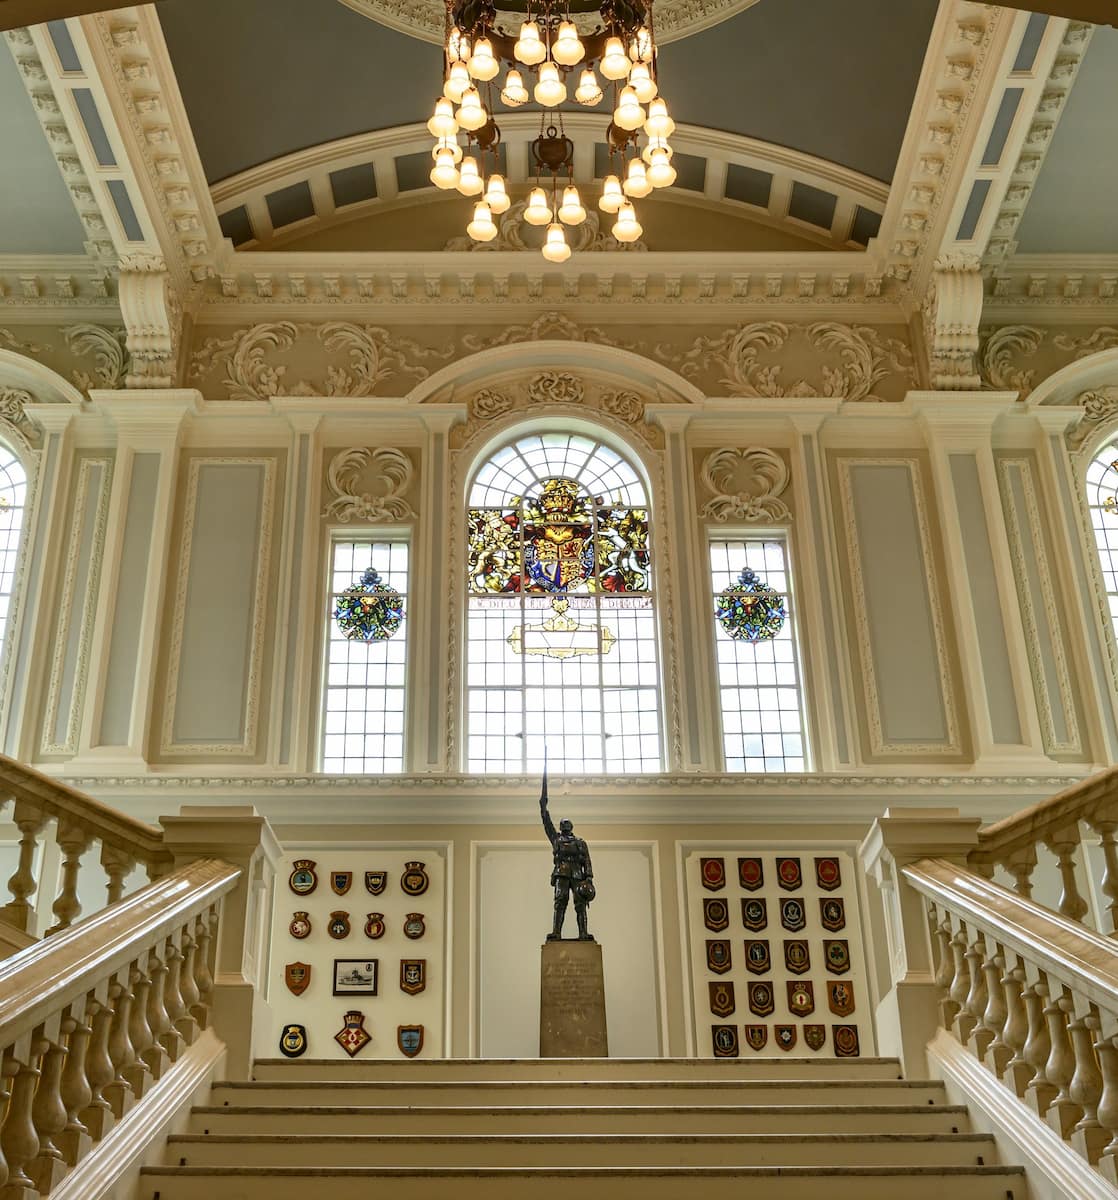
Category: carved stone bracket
[954,318]
[152,320]
[388,473]
[747,485]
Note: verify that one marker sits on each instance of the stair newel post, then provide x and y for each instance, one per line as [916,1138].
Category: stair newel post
[159,1022]
[119,1092]
[1063,844]
[1108,885]
[73,842]
[188,989]
[1062,1113]
[1017,1072]
[48,1111]
[1039,1092]
[139,1032]
[18,911]
[1021,865]
[18,1138]
[1088,1137]
[118,865]
[1107,1113]
[77,1093]
[978,1037]
[172,996]
[960,985]
[98,1116]
[203,978]
[997,1052]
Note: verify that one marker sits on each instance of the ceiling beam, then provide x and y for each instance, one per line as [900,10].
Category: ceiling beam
[1098,12]
[16,13]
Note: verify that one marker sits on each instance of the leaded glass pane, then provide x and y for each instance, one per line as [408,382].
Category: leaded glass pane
[1102,504]
[13,499]
[757,662]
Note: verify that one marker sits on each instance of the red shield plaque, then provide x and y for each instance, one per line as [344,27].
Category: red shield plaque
[721,999]
[788,873]
[712,871]
[828,874]
[374,925]
[300,926]
[751,874]
[352,1036]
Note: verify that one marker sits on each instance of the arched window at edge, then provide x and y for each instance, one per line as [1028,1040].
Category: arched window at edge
[13,505]
[1101,486]
[561,645]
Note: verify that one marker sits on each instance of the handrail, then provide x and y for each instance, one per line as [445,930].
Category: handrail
[1084,959]
[48,975]
[108,826]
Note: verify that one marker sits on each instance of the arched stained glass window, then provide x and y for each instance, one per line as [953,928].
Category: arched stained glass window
[13,500]
[561,645]
[1102,503]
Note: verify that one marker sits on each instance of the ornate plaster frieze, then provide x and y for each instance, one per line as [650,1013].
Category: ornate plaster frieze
[849,361]
[9,341]
[1100,407]
[1018,357]
[549,326]
[490,403]
[556,387]
[12,401]
[336,358]
[746,485]
[426,19]
[387,474]
[107,348]
[512,228]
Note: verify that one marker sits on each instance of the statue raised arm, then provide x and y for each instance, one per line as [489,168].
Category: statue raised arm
[571,871]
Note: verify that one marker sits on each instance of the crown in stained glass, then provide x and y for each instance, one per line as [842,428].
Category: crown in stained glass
[750,610]
[369,611]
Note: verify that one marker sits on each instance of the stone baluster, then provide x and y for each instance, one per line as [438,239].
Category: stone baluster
[139,1032]
[49,1114]
[73,842]
[960,984]
[18,911]
[996,1052]
[1063,844]
[98,1116]
[172,997]
[1085,1089]
[1017,1071]
[119,1093]
[18,1138]
[1108,885]
[159,1022]
[77,1094]
[1108,1106]
[978,1037]
[1021,864]
[118,866]
[945,965]
[187,1024]
[203,978]
[1062,1113]
[1039,1092]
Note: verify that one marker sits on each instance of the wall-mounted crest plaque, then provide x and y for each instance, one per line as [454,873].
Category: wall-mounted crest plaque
[758,960]
[788,873]
[338,927]
[300,926]
[293,1041]
[751,874]
[340,881]
[761,998]
[712,872]
[840,997]
[302,880]
[837,955]
[755,914]
[413,975]
[721,999]
[376,882]
[801,997]
[414,926]
[815,1036]
[797,957]
[724,1041]
[784,1036]
[297,976]
[846,1040]
[719,957]
[355,976]
[374,925]
[828,874]
[716,915]
[414,880]
[792,915]
[353,1036]
[832,913]
[409,1039]
[757,1036]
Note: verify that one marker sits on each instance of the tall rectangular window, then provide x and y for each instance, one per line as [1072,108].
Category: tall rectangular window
[366,658]
[759,682]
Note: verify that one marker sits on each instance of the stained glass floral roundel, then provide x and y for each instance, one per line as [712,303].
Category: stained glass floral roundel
[750,610]
[369,611]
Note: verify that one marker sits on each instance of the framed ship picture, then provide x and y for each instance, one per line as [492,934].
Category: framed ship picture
[355,977]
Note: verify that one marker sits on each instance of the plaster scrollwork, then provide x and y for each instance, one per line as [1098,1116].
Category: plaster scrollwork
[1104,338]
[746,485]
[109,351]
[625,406]
[9,341]
[12,401]
[489,404]
[1000,356]
[511,230]
[860,358]
[1099,405]
[548,326]
[556,387]
[389,472]
[368,355]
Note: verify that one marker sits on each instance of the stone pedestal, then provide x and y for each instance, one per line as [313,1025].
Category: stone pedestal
[572,1001]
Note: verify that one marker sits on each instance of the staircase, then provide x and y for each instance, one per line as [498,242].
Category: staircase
[798,1128]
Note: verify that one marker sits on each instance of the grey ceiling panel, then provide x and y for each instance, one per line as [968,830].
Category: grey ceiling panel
[36,212]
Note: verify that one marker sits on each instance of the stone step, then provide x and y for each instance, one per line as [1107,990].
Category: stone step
[577,1119]
[450,1069]
[584,1150]
[588,1183]
[837,1090]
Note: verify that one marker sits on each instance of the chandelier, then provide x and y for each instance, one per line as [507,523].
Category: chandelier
[550,47]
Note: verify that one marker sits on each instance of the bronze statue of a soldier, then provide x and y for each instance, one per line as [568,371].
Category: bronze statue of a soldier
[571,874]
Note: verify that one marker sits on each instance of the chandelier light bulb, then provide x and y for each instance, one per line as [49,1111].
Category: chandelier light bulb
[481,228]
[555,249]
[660,172]
[641,81]
[471,114]
[567,49]
[450,146]
[571,211]
[482,64]
[444,174]
[615,62]
[612,195]
[457,46]
[551,91]
[469,177]
[496,196]
[626,228]
[628,114]
[457,81]
[640,48]
[588,92]
[538,211]
[656,143]
[636,180]
[443,124]
[514,92]
[659,124]
[529,48]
